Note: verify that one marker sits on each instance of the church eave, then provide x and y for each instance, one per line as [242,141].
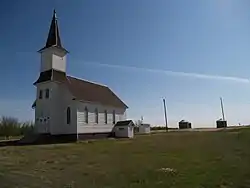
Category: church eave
[61,48]
[33,105]
[98,102]
[51,75]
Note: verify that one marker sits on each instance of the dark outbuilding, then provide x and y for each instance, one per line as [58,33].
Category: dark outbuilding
[185,125]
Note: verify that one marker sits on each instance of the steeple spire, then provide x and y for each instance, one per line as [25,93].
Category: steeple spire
[54,13]
[53,36]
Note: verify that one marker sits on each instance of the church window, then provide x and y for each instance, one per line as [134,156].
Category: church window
[68,115]
[96,115]
[105,116]
[113,116]
[40,94]
[47,93]
[86,115]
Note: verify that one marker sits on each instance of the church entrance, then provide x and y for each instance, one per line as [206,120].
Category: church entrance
[47,125]
[43,125]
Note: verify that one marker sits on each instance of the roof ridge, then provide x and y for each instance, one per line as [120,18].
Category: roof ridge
[81,79]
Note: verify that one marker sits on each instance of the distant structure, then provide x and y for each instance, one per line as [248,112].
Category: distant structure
[185,125]
[124,129]
[221,123]
[144,128]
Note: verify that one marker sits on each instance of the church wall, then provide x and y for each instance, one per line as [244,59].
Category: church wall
[101,126]
[44,108]
[55,108]
[46,61]
[52,58]
[59,63]
[62,101]
[59,60]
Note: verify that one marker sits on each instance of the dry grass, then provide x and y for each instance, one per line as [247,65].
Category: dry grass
[174,159]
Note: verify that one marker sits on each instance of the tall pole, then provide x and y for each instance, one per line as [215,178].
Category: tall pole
[165,113]
[222,109]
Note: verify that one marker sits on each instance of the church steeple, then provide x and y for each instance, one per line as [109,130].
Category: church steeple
[53,55]
[53,39]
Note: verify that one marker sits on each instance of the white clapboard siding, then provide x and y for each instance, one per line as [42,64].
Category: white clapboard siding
[101,118]
[91,118]
[101,126]
[80,118]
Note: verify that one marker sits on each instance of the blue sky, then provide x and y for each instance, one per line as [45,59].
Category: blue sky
[190,52]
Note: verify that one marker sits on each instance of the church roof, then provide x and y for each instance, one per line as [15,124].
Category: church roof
[51,75]
[53,39]
[89,91]
[83,90]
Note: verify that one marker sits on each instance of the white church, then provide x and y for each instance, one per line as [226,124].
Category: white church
[66,105]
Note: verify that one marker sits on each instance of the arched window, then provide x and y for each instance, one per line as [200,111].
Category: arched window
[96,115]
[86,115]
[68,115]
[113,116]
[47,93]
[105,116]
[40,94]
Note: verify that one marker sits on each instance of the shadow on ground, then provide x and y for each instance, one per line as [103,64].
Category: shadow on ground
[38,142]
[45,139]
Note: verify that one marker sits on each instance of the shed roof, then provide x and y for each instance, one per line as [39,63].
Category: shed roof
[125,123]
[184,121]
[145,125]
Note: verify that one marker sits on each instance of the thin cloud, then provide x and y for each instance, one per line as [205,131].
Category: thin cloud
[174,73]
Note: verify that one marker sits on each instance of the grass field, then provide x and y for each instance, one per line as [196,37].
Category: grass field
[175,159]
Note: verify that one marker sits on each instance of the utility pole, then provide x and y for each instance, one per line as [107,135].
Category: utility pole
[222,109]
[165,113]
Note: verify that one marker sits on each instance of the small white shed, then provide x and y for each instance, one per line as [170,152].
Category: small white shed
[124,129]
[144,129]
